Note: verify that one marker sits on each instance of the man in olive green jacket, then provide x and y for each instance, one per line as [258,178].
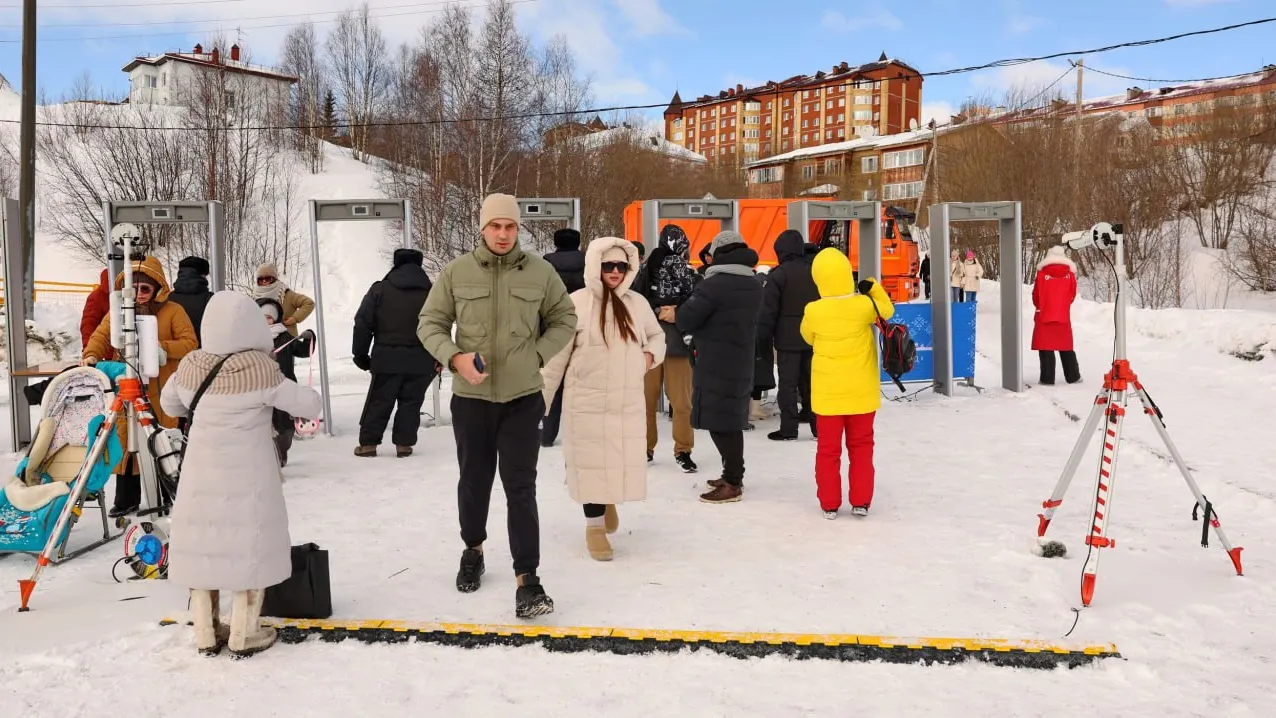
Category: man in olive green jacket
[512,314]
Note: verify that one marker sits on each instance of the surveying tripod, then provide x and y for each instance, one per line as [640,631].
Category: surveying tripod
[1109,406]
[146,441]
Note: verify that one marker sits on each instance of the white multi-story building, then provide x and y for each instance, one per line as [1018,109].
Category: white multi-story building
[170,79]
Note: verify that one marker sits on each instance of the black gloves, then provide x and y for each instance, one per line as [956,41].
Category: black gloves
[865,286]
[364,363]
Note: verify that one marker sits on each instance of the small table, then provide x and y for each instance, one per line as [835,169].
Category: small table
[47,369]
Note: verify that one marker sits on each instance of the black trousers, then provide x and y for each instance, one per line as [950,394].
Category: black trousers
[283,441]
[385,391]
[793,386]
[549,424]
[128,486]
[1071,372]
[595,511]
[730,445]
[491,436]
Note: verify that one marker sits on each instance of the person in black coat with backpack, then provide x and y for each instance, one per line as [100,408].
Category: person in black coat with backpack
[386,343]
[722,318]
[789,289]
[190,290]
[287,349]
[569,262]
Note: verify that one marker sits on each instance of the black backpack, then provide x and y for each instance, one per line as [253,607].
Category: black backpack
[899,351]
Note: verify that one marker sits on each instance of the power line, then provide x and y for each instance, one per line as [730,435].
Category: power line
[226,19]
[599,110]
[136,4]
[1163,82]
[247,27]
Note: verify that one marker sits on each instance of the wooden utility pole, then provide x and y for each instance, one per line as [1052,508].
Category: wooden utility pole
[26,157]
[1076,160]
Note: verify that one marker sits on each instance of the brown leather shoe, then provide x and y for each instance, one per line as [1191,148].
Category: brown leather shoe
[724,494]
[365,451]
[403,451]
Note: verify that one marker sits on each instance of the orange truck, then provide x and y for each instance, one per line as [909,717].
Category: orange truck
[762,220]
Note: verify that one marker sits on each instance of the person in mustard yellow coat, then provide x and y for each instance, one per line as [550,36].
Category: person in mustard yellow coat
[845,378]
[176,338]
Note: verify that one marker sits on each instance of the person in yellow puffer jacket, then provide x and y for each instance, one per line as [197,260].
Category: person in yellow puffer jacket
[845,378]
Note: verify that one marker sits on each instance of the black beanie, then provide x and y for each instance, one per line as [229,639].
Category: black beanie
[567,239]
[642,250]
[199,264]
[408,256]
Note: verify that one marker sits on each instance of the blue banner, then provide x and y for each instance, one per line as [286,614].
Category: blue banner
[916,317]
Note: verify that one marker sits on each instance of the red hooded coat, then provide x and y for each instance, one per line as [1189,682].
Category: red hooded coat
[98,305]
[1052,295]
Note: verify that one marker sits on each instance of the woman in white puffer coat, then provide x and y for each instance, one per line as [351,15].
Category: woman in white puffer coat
[230,524]
[604,408]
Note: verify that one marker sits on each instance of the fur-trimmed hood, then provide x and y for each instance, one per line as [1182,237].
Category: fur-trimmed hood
[1057,255]
[594,263]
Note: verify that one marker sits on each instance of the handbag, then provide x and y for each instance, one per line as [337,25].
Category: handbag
[307,593]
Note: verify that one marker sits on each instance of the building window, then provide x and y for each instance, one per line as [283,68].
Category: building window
[841,132]
[786,144]
[863,99]
[841,117]
[828,105]
[862,115]
[841,102]
[808,172]
[752,106]
[750,134]
[753,120]
[903,158]
[815,121]
[868,165]
[150,81]
[786,129]
[832,167]
[767,175]
[677,135]
[904,190]
[828,134]
[768,133]
[870,195]
[164,79]
[769,104]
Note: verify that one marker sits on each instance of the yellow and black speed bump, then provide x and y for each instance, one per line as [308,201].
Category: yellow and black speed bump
[627,641]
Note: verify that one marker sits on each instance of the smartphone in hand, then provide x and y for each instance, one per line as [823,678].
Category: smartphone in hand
[479,364]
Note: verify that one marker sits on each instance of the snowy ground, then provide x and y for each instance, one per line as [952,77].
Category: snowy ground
[946,552]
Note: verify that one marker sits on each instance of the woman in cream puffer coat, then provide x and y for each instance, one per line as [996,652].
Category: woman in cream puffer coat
[604,408]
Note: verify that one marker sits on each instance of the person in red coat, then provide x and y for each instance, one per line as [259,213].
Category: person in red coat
[98,305]
[1052,295]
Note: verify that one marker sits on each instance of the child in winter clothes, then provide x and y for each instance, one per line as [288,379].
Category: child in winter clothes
[287,349]
[229,522]
[1052,294]
[297,306]
[845,379]
[968,274]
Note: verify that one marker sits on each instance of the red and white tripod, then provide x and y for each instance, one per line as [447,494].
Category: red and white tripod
[1109,407]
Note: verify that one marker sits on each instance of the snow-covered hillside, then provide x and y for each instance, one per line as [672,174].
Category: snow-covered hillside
[946,552]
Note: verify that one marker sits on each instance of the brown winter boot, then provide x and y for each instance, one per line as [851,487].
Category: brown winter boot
[723,494]
[403,452]
[611,519]
[211,634]
[365,451]
[247,635]
[715,483]
[597,543]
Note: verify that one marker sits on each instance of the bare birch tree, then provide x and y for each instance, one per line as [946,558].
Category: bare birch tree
[301,58]
[357,56]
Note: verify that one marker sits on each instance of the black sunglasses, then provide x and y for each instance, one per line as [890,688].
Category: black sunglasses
[609,267]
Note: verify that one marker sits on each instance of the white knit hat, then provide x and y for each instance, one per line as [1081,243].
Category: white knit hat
[498,206]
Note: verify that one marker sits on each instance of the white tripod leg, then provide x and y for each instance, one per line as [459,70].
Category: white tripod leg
[1150,409]
[1074,461]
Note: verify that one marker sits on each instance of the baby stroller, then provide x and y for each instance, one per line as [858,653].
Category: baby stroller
[74,407]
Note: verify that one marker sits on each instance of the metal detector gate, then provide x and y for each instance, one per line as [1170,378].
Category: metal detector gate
[1008,216]
[349,210]
[15,323]
[726,211]
[535,209]
[868,215]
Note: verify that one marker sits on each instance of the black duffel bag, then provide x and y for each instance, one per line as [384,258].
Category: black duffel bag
[307,593]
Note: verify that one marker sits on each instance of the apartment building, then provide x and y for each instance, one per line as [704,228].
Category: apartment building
[169,79]
[740,125]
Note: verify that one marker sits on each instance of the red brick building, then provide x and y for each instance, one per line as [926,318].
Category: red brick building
[740,125]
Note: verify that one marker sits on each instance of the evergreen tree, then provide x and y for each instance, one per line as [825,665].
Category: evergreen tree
[329,112]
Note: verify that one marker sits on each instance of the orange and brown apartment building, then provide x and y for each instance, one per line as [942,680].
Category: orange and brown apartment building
[741,124]
[892,167]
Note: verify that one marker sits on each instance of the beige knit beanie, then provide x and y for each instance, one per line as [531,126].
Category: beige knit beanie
[498,206]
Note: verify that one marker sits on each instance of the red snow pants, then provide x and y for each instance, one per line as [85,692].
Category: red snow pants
[858,429]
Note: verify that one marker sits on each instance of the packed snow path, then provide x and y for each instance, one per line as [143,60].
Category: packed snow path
[945,552]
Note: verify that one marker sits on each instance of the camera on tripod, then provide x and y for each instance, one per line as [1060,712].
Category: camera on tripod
[127,238]
[1100,236]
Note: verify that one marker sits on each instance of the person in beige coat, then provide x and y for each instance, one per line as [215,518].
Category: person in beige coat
[968,275]
[296,305]
[618,339]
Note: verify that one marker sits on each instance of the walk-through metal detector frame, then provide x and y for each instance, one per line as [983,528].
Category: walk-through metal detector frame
[1009,218]
[553,209]
[726,211]
[868,215]
[351,210]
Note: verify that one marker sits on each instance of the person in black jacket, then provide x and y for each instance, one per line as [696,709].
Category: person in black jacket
[190,290]
[402,370]
[789,289]
[925,274]
[667,280]
[722,318]
[287,349]
[569,262]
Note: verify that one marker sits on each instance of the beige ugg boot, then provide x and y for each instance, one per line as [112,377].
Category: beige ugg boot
[755,410]
[211,634]
[247,635]
[611,519]
[597,543]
